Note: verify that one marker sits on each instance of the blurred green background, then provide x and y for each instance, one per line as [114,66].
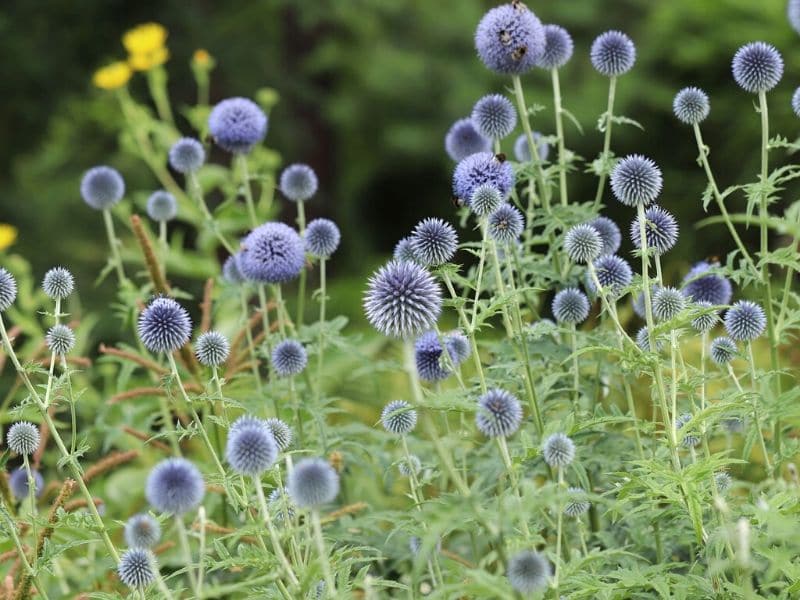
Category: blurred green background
[368,89]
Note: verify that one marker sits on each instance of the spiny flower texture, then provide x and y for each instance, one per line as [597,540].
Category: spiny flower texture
[707,320]
[522,151]
[321,238]
[251,448]
[528,572]
[570,306]
[723,481]
[510,39]
[142,531]
[8,289]
[289,358]
[660,230]
[407,467]
[479,169]
[402,300]
[398,417]
[702,286]
[577,503]
[613,273]
[162,206]
[638,303]
[506,224]
[643,341]
[668,303]
[187,155]
[281,432]
[23,438]
[558,450]
[796,102]
[494,116]
[499,413]
[463,139]
[610,235]
[793,14]
[299,182]
[757,67]
[428,355]
[723,350]
[164,325]
[558,47]
[58,283]
[230,271]
[237,124]
[312,482]
[212,348]
[434,242]
[745,321]
[636,180]
[582,243]
[485,200]
[691,105]
[18,483]
[403,251]
[458,346]
[690,440]
[136,568]
[272,253]
[175,486]
[612,54]
[60,339]
[102,187]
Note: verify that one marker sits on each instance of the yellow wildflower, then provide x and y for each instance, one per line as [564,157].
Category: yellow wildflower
[148,60]
[201,57]
[144,39]
[8,235]
[112,76]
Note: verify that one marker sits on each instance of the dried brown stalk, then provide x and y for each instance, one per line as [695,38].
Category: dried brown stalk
[113,460]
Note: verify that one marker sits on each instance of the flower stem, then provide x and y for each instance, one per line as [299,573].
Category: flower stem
[114,245]
[562,159]
[183,538]
[756,416]
[11,527]
[196,193]
[330,583]
[301,288]
[241,159]
[608,119]
[273,534]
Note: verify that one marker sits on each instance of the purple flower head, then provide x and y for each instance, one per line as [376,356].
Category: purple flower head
[142,531]
[506,224]
[164,325]
[660,230]
[613,273]
[237,124]
[102,187]
[251,448]
[691,105]
[434,242]
[299,182]
[8,289]
[312,482]
[570,306]
[494,116]
[58,283]
[321,238]
[499,413]
[636,180]
[399,417]
[582,244]
[745,321]
[480,169]
[558,47]
[187,155]
[137,568]
[272,253]
[162,206]
[212,348]
[289,358]
[528,572]
[510,39]
[610,235]
[18,482]
[612,54]
[701,286]
[522,152]
[463,139]
[757,67]
[175,486]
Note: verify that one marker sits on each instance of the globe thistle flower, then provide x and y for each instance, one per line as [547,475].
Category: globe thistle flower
[237,124]
[402,300]
[796,102]
[463,139]
[162,206]
[668,303]
[289,358]
[187,155]
[522,151]
[690,439]
[494,116]
[613,273]
[558,450]
[403,251]
[745,321]
[60,339]
[528,572]
[18,483]
[321,238]
[58,283]
[175,486]
[558,47]
[164,325]
[458,347]
[577,503]
[723,481]
[23,438]
[299,182]
[638,304]
[499,413]
[312,482]
[583,244]
[251,448]
[485,200]
[757,67]
[136,568]
[660,230]
[142,531]
[428,358]
[506,224]
[409,466]
[691,105]
[510,39]
[702,286]
[610,235]
[480,169]
[230,271]
[8,289]
[281,432]
[723,350]
[612,53]
[434,242]
[643,341]
[398,417]
[636,180]
[272,253]
[570,305]
[102,187]
[212,348]
[707,320]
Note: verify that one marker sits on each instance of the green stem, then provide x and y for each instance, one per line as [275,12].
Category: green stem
[479,281]
[273,535]
[241,159]
[11,527]
[756,416]
[573,335]
[156,80]
[32,501]
[301,288]
[608,119]
[462,315]
[196,193]
[114,244]
[562,159]
[183,538]
[559,528]
[330,583]
[250,345]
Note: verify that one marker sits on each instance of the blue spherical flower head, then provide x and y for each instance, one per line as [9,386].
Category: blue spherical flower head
[745,321]
[175,486]
[312,482]
[137,568]
[403,251]
[230,271]
[281,432]
[237,124]
[463,139]
[142,531]
[612,54]
[402,300]
[399,417]
[321,238]
[60,339]
[643,341]
[494,116]
[522,151]
[528,572]
[796,102]
[723,350]
[187,155]
[668,303]
[58,283]
[434,242]
[458,347]
[506,224]
[23,438]
[485,200]
[407,467]
[690,439]
[613,273]
[481,169]
[510,39]
[577,503]
[723,481]
[299,182]
[570,306]
[558,47]
[8,289]
[102,187]
[707,319]
[702,286]
[610,235]
[558,450]
[164,325]
[793,14]
[757,67]
[272,253]
[212,348]
[636,180]
[582,244]
[289,358]
[428,356]
[691,105]
[499,413]
[18,483]
[251,448]
[162,206]
[660,230]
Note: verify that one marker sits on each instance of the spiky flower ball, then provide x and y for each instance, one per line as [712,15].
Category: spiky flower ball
[577,504]
[321,238]
[8,289]
[407,467]
[706,320]
[757,67]
[136,568]
[272,253]
[18,483]
[691,105]
[164,325]
[312,482]
[723,481]
[434,242]
[522,151]
[23,438]
[175,486]
[643,341]
[494,116]
[636,180]
[745,321]
[403,251]
[613,273]
[506,224]
[142,531]
[702,286]
[510,39]
[237,124]
[723,350]
[58,283]
[463,139]
[251,448]
[690,439]
[102,187]
[668,303]
[162,206]
[558,450]
[570,306]
[612,54]
[281,432]
[583,244]
[499,413]
[398,417]
[796,102]
[528,572]
[558,47]
[458,347]
[480,169]
[60,339]
[793,13]
[485,200]
[660,230]
[289,358]
[638,302]
[299,182]
[230,271]
[428,357]
[402,300]
[610,235]
[187,155]
[212,348]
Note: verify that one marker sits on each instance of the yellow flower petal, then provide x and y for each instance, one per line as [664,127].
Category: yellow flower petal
[8,235]
[112,76]
[148,60]
[201,57]
[145,38]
